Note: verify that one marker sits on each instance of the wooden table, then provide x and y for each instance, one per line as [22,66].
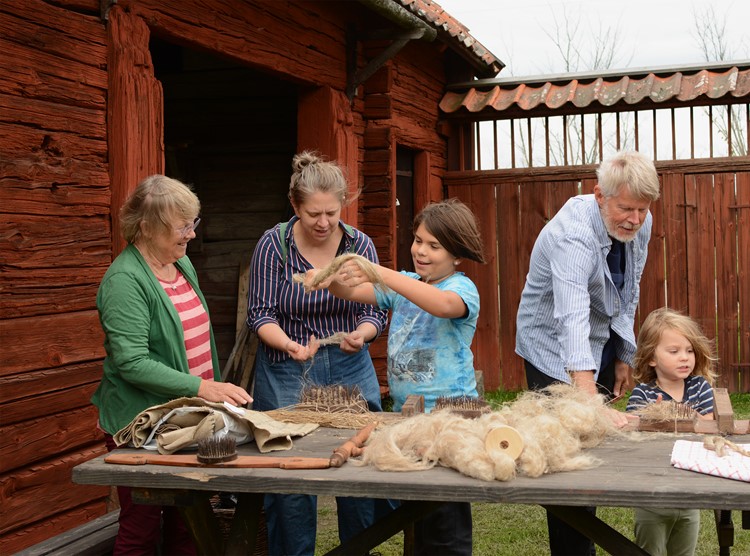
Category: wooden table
[634,474]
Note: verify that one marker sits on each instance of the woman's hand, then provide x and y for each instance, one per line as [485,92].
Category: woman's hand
[223,392]
[353,342]
[310,277]
[299,352]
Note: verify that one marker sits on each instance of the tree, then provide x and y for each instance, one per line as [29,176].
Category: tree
[711,35]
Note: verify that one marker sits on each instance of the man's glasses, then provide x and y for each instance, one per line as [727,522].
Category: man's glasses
[189,228]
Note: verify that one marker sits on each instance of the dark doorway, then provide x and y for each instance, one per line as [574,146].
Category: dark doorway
[405,208]
[231,132]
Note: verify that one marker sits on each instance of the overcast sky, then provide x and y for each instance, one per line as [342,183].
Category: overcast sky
[652,32]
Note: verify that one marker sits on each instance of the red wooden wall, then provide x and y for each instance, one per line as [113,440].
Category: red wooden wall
[81,122]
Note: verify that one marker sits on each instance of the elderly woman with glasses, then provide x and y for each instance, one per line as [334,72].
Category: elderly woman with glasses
[158,341]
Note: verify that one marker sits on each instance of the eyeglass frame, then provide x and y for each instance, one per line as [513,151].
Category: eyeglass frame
[185,230]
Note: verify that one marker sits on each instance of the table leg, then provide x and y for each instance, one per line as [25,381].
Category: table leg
[408,512]
[243,532]
[724,530]
[594,528]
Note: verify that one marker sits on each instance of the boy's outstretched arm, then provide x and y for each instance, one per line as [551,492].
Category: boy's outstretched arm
[444,304]
[343,286]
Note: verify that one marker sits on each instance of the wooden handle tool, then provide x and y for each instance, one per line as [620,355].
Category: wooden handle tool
[352,447]
[191,460]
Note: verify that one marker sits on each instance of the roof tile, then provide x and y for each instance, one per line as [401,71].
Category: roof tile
[608,89]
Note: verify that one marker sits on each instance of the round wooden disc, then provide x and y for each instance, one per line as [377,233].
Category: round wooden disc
[505,439]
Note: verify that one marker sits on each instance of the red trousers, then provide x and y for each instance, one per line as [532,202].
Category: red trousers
[144,527]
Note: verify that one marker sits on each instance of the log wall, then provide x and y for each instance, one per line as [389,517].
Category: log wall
[55,245]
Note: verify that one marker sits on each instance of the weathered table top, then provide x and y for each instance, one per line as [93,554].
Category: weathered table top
[634,473]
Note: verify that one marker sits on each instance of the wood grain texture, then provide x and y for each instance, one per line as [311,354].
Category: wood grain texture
[635,472]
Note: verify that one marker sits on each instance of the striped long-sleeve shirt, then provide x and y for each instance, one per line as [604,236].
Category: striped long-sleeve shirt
[275,298]
[569,302]
[698,394]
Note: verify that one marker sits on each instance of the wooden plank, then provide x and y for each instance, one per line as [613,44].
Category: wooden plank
[50,341]
[675,224]
[633,474]
[485,345]
[62,400]
[41,186]
[244,32]
[553,173]
[26,241]
[89,122]
[68,153]
[34,440]
[510,281]
[135,111]
[56,31]
[31,494]
[558,193]
[727,302]
[35,383]
[742,184]
[699,201]
[53,525]
[652,286]
[723,413]
[35,74]
[94,537]
[48,290]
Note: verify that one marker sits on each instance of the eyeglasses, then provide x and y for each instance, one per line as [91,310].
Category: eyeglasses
[189,228]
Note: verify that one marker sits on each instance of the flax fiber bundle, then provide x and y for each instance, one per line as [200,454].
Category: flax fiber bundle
[555,425]
[365,265]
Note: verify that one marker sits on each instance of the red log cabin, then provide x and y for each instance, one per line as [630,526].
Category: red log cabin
[97,95]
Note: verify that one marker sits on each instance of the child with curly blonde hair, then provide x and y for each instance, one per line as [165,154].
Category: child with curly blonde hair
[674,360]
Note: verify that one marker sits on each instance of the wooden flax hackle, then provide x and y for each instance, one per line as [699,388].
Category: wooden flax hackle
[335,406]
[668,410]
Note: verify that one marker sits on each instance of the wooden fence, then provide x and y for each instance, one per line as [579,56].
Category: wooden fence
[699,254]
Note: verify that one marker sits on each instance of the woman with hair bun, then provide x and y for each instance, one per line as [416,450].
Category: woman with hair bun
[289,323]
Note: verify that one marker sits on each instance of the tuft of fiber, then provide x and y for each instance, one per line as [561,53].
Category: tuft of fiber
[555,425]
[365,265]
[668,410]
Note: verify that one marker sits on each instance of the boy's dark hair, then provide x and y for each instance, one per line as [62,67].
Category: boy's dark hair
[454,226]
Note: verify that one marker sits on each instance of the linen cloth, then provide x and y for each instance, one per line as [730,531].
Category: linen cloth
[181,423]
[693,456]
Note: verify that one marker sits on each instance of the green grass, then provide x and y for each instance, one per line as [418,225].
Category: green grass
[520,530]
[515,529]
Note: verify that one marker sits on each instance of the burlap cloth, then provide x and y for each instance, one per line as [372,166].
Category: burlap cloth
[181,423]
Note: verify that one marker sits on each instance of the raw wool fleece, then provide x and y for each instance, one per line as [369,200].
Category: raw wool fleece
[555,425]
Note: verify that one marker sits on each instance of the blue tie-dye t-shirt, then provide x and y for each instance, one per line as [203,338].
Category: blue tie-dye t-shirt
[429,355]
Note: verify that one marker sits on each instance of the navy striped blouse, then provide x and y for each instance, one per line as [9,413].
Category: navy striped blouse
[698,394]
[274,298]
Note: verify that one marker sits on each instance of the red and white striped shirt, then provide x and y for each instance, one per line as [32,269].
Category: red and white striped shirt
[194,324]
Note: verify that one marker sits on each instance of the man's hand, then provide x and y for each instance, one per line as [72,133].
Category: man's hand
[584,380]
[623,375]
[620,419]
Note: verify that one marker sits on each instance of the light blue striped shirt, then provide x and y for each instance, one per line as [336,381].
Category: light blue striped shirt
[569,301]
[275,298]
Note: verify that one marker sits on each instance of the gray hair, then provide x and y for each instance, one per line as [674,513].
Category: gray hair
[156,201]
[629,169]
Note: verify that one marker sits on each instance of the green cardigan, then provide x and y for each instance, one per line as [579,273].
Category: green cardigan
[146,363]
